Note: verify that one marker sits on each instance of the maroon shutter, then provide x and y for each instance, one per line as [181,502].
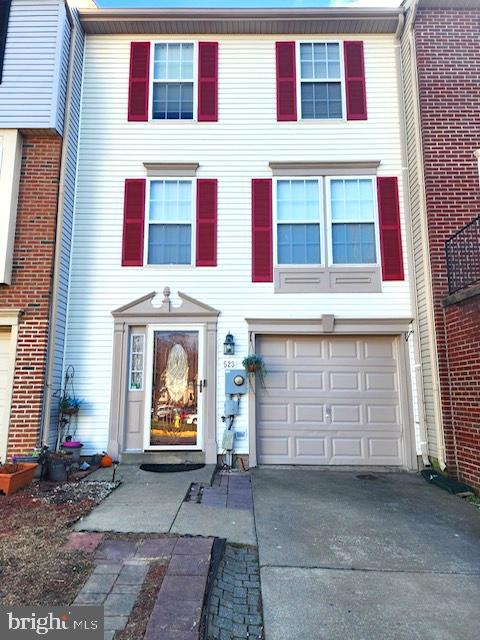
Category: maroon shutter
[208,81]
[139,81]
[390,233]
[262,240]
[206,223]
[286,82]
[355,80]
[133,223]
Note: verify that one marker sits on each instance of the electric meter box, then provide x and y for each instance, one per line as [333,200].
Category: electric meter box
[235,381]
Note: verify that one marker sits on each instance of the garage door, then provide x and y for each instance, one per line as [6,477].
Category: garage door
[329,401]
[4,390]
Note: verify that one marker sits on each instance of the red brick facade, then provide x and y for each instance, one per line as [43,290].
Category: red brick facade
[31,287]
[448,62]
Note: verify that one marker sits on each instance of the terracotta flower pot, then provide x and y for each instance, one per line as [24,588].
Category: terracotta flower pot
[11,482]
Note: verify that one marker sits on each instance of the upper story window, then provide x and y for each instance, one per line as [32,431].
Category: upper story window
[353,215]
[298,222]
[350,224]
[320,80]
[173,81]
[170,222]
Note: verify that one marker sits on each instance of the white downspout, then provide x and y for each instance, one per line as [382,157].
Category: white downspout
[47,404]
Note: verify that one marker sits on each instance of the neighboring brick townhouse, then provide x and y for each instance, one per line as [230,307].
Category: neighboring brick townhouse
[240,179]
[441,68]
[41,45]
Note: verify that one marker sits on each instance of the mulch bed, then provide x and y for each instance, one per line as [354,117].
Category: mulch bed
[137,623]
[35,567]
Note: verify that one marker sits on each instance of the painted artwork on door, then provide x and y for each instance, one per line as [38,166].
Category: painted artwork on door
[174,410]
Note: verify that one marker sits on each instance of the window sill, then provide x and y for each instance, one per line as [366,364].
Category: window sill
[311,279]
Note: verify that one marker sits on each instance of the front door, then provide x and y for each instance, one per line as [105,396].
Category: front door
[174,401]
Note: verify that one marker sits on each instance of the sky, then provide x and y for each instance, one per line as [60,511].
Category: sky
[246,4]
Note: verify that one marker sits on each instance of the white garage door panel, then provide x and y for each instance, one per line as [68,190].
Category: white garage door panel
[329,400]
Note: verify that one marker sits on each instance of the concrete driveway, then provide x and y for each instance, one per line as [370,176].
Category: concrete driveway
[341,556]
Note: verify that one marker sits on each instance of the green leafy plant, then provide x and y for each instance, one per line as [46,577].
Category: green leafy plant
[255,366]
[69,405]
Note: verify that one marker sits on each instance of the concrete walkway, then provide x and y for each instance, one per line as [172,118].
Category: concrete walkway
[149,502]
[391,558]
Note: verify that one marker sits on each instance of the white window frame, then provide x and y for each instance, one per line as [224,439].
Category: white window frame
[329,223]
[130,363]
[299,80]
[152,81]
[193,225]
[321,222]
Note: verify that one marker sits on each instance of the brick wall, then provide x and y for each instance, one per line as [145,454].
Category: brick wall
[33,261]
[448,65]
[462,323]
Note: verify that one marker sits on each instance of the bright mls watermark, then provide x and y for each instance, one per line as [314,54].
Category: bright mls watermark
[25,623]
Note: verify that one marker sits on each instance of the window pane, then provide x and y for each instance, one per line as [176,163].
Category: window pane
[298,244]
[169,244]
[173,62]
[298,200]
[137,344]
[171,201]
[321,100]
[353,243]
[173,101]
[352,200]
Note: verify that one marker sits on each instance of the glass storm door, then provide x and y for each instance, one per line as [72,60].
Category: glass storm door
[174,399]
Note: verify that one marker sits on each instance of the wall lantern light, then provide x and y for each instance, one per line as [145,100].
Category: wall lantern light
[229,345]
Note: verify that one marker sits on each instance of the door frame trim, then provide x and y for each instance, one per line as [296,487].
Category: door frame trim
[322,326]
[9,318]
[141,313]
[150,331]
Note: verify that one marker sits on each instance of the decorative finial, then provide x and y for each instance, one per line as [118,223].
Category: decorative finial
[166,295]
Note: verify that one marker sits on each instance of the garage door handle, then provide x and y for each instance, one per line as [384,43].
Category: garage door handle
[328,413]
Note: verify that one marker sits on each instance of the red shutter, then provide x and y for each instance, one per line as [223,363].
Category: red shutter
[206,223]
[355,80]
[208,81]
[139,81]
[390,233]
[262,240]
[133,223]
[286,82]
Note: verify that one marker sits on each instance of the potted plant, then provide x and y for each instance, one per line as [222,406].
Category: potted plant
[255,365]
[73,447]
[15,475]
[69,405]
[58,465]
[34,456]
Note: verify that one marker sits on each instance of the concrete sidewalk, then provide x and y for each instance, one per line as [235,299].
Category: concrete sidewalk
[149,502]
[391,558]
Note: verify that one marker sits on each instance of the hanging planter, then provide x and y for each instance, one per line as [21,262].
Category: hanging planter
[69,405]
[255,366]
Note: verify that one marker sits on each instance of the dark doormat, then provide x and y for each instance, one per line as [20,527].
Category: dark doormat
[170,468]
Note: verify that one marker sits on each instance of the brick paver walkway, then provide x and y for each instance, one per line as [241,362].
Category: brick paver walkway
[235,611]
[228,491]
[121,567]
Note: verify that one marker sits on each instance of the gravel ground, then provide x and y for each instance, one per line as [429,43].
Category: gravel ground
[35,568]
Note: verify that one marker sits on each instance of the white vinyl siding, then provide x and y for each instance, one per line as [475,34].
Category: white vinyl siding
[234,150]
[34,70]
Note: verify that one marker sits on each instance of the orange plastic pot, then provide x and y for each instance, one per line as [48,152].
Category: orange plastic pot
[11,482]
